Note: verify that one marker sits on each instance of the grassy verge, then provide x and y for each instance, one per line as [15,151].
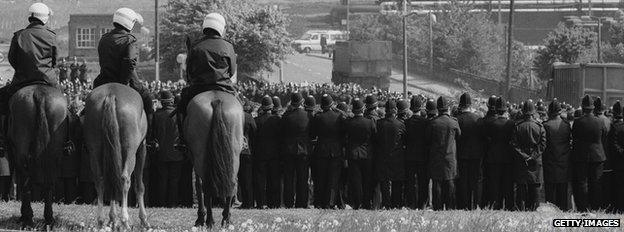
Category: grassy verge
[83,218]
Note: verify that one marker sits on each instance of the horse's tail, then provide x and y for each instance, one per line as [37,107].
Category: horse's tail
[111,151]
[220,159]
[42,131]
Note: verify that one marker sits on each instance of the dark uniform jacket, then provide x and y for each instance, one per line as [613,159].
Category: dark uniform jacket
[211,61]
[416,146]
[326,126]
[498,134]
[295,133]
[442,134]
[118,55]
[587,135]
[165,133]
[529,142]
[33,55]
[390,149]
[607,122]
[266,143]
[556,157]
[249,131]
[470,144]
[616,145]
[359,132]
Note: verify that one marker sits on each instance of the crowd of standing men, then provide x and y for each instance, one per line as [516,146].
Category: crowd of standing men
[508,158]
[372,154]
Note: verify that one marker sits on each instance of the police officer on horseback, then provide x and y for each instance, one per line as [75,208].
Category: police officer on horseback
[118,54]
[33,56]
[211,65]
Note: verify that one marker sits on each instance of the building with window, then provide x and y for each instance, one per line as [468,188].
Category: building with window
[85,31]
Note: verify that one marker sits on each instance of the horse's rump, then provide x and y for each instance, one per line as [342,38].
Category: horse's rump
[214,133]
[115,125]
[37,129]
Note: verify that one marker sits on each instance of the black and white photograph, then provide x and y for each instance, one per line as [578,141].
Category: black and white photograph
[311,115]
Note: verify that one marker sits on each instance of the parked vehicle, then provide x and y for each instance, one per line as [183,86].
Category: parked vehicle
[311,40]
[366,63]
[570,82]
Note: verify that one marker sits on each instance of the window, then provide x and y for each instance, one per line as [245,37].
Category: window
[85,38]
[104,31]
[315,37]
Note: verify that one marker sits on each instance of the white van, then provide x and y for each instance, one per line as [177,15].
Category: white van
[311,40]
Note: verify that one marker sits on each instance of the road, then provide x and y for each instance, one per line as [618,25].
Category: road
[316,68]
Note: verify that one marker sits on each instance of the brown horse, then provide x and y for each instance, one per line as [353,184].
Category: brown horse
[115,129]
[214,131]
[36,132]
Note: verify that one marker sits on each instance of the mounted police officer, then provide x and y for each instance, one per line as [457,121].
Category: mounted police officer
[556,157]
[211,65]
[32,54]
[529,141]
[587,157]
[442,134]
[119,53]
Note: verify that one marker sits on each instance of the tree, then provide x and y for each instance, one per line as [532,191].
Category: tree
[462,39]
[258,34]
[565,44]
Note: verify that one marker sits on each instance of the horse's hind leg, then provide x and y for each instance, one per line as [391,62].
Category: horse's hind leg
[226,211]
[48,199]
[125,217]
[208,204]
[26,209]
[201,209]
[139,187]
[99,187]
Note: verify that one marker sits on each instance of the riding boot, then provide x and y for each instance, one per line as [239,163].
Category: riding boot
[180,144]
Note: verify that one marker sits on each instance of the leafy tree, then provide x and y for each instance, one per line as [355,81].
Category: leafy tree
[258,34]
[565,44]
[462,40]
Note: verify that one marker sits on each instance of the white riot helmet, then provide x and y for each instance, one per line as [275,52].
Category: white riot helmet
[40,11]
[126,18]
[216,22]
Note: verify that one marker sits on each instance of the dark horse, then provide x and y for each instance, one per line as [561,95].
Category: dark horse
[214,131]
[115,129]
[36,133]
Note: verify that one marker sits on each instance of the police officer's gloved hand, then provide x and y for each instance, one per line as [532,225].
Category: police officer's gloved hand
[153,145]
[68,148]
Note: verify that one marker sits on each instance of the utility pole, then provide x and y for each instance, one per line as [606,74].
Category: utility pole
[348,13]
[431,19]
[405,15]
[156,41]
[281,71]
[509,48]
[599,39]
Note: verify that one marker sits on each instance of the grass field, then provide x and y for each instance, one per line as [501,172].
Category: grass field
[83,218]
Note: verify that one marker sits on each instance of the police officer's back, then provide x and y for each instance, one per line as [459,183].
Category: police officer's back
[118,56]
[32,55]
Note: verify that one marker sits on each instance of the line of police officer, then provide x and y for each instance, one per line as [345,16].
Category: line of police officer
[504,160]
